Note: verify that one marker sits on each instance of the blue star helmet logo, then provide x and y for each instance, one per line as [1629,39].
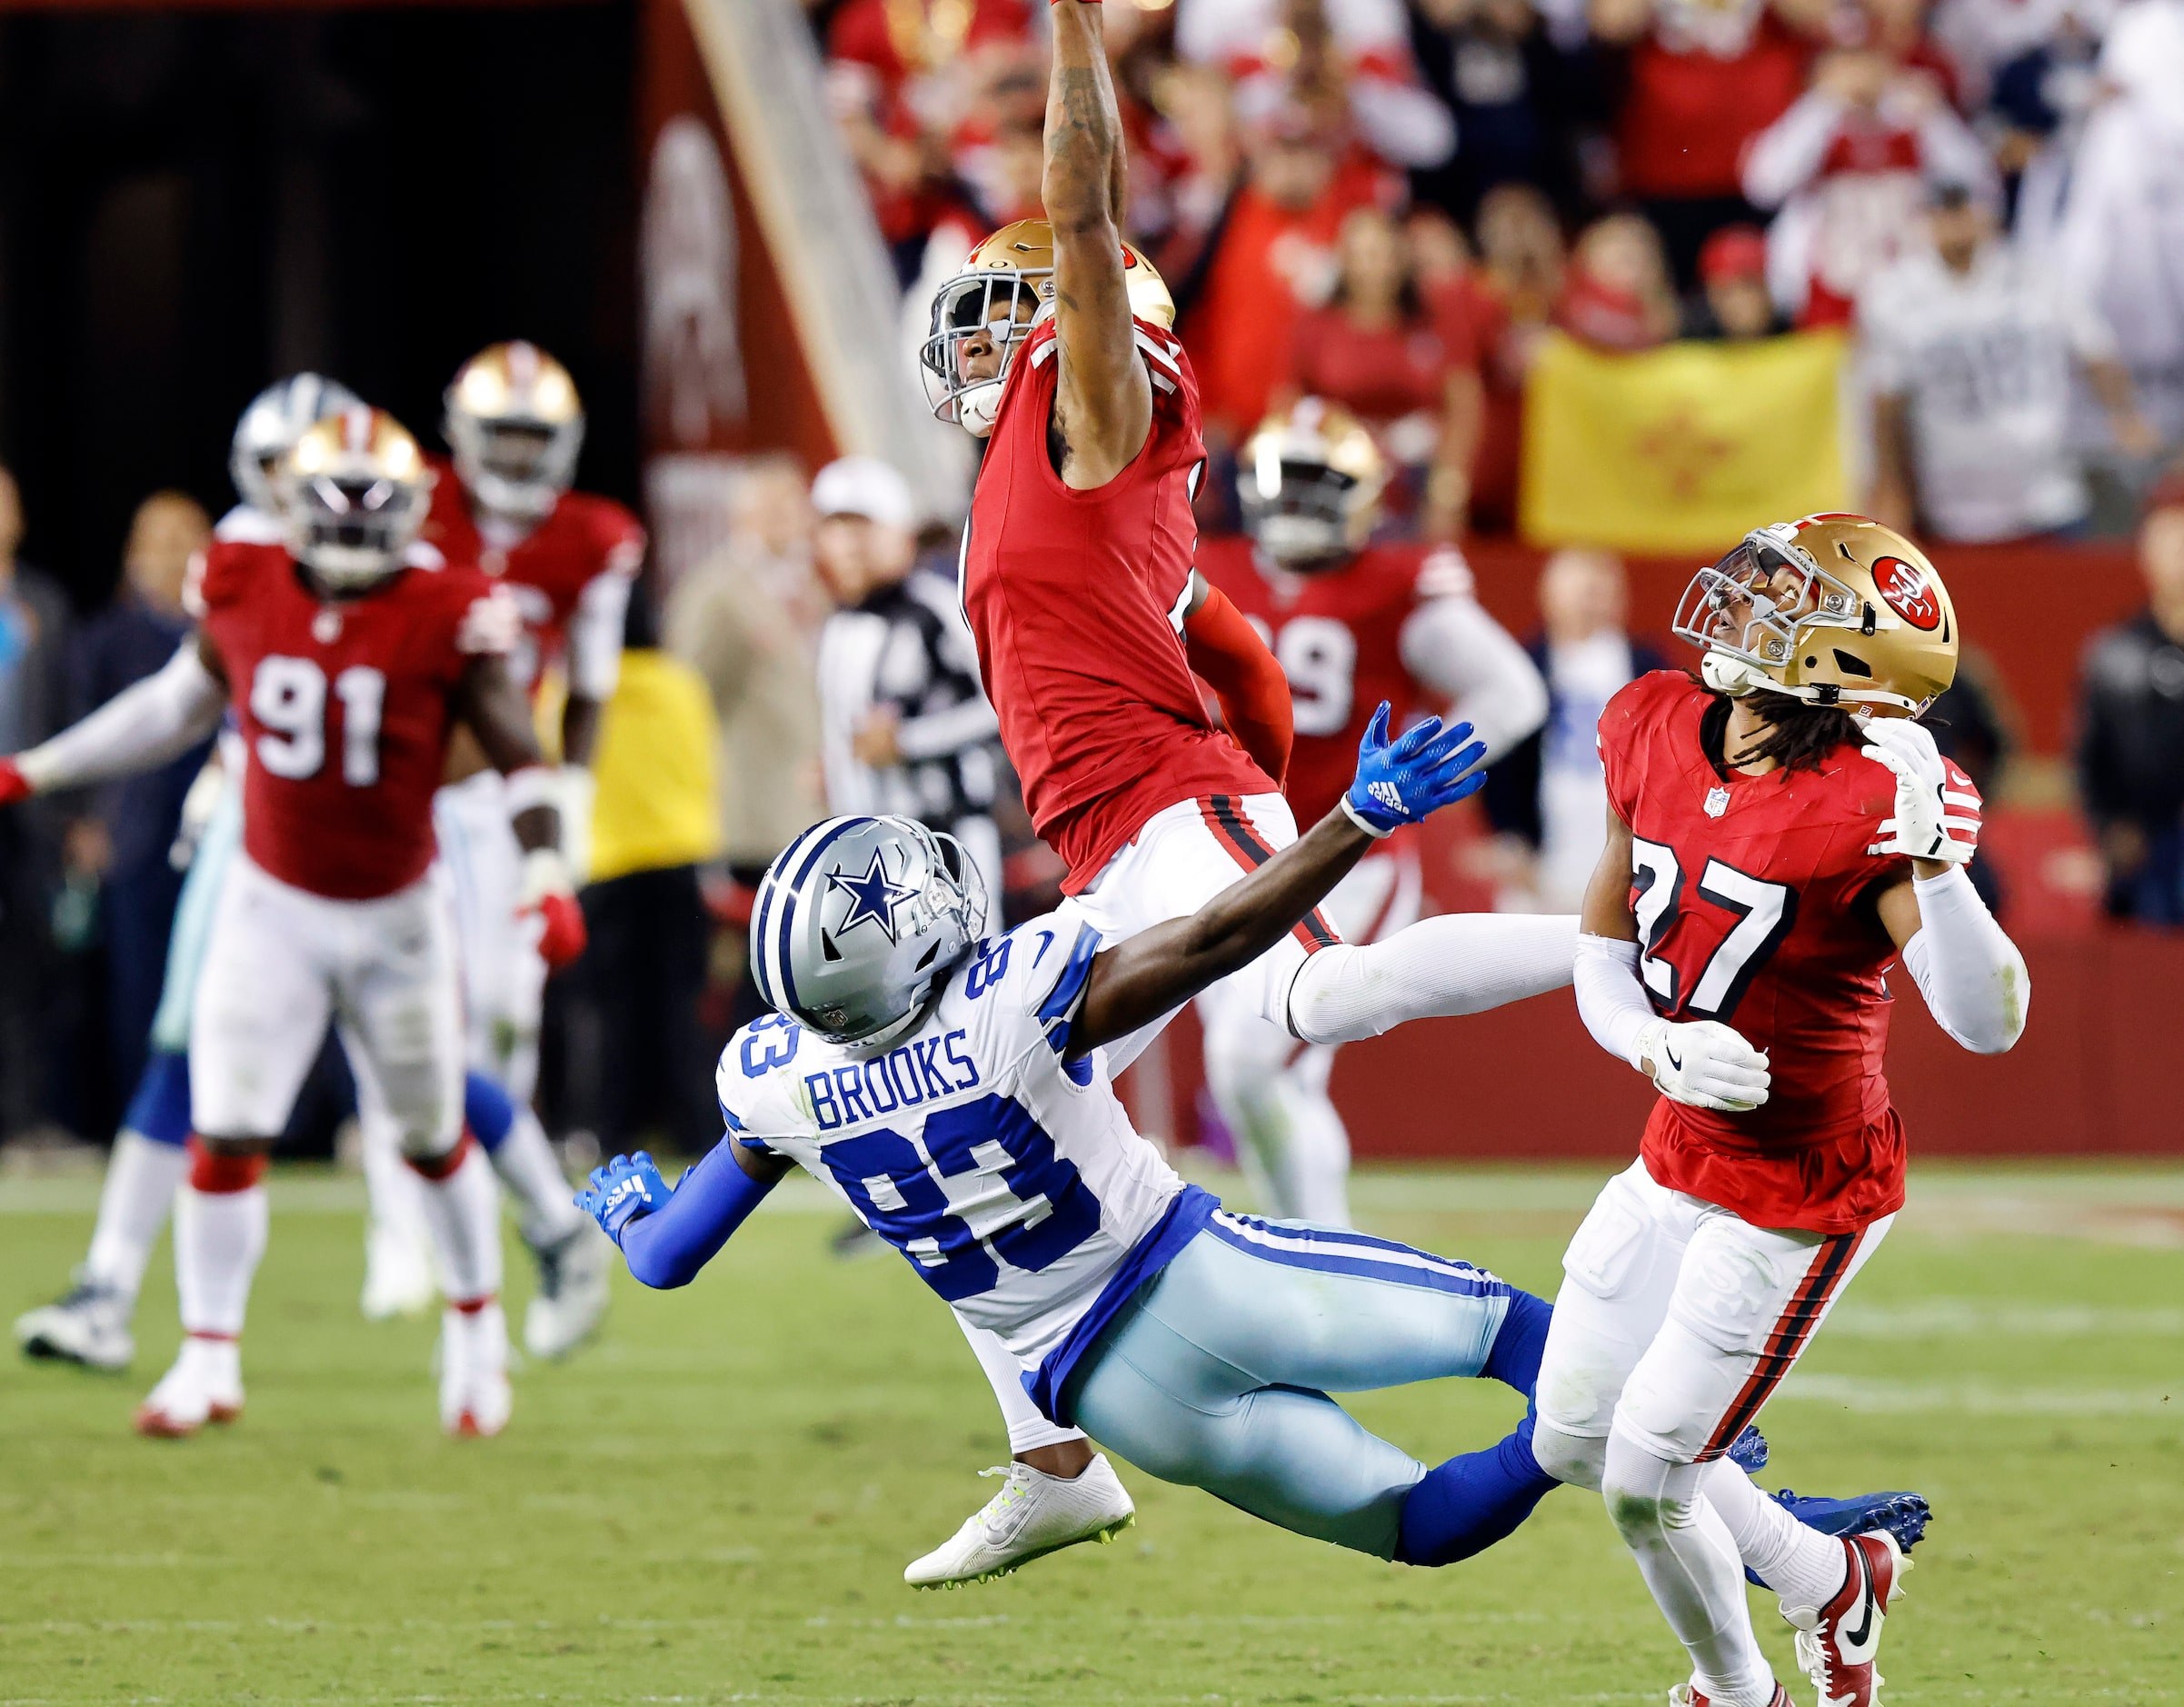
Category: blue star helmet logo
[874,896]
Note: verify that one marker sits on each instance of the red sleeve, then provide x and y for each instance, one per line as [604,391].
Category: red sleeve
[1226,651]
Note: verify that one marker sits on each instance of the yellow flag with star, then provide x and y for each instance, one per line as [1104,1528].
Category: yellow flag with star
[1686,448]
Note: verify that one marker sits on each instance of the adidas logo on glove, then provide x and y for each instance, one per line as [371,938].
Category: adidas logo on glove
[1387,793]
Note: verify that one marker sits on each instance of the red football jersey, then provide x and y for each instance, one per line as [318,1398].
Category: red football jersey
[1338,637]
[547,570]
[1754,898]
[1076,599]
[344,710]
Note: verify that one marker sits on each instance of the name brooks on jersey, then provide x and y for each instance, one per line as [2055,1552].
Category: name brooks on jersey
[1005,1172]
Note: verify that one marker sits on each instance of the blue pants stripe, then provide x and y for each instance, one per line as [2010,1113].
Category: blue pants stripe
[1330,1252]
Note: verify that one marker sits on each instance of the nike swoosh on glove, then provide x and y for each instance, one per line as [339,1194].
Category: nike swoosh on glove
[548,893]
[1937,811]
[14,784]
[1703,1064]
[1425,768]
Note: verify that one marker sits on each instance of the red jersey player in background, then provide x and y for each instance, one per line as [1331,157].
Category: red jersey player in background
[566,559]
[1054,347]
[1780,833]
[350,656]
[1352,624]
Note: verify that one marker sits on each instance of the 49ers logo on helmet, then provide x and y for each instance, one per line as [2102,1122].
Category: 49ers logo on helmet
[1908,593]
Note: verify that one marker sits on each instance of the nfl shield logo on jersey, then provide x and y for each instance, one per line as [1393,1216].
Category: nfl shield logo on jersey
[1717,801]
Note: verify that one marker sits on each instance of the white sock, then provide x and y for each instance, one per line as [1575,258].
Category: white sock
[392,1188]
[142,1178]
[219,1237]
[1691,1563]
[1028,1430]
[545,1205]
[1800,1564]
[1459,962]
[462,1211]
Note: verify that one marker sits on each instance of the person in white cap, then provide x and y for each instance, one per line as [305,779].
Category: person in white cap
[906,729]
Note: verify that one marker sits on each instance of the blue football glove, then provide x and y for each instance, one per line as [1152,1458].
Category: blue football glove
[625,1189]
[1425,768]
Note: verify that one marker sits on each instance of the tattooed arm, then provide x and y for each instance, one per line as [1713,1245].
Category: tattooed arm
[1103,401]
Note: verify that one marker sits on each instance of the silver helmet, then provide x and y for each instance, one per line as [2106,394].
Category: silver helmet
[274,420]
[859,918]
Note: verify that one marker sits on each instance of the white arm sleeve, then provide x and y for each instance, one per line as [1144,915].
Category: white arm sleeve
[595,635]
[145,724]
[1452,646]
[1784,157]
[1611,1000]
[1970,971]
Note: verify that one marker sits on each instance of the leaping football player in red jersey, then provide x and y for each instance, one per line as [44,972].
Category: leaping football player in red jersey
[1351,623]
[1780,833]
[1055,345]
[567,559]
[350,657]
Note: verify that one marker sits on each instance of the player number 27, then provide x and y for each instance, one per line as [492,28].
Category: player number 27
[288,699]
[1764,913]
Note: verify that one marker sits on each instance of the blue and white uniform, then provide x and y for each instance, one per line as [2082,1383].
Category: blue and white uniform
[1200,1343]
[1009,1176]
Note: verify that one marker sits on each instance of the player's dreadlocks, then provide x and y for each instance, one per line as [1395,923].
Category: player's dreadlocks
[1798,736]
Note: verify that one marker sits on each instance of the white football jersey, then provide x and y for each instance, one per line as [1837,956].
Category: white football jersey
[1010,1177]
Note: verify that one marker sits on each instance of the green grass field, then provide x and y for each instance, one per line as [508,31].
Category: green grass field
[714,1502]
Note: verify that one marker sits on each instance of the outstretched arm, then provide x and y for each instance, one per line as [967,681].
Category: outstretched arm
[667,1233]
[1156,971]
[157,719]
[1103,398]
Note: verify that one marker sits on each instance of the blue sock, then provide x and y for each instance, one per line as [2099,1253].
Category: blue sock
[489,1112]
[160,1110]
[1520,1342]
[1470,1503]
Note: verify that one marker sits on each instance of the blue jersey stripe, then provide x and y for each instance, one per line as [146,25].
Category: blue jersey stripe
[1059,1011]
[1368,1259]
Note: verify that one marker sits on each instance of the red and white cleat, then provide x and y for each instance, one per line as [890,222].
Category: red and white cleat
[204,1385]
[1688,1695]
[1837,1643]
[474,1395]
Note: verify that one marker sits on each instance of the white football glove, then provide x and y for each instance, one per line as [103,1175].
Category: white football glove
[1703,1063]
[1937,814]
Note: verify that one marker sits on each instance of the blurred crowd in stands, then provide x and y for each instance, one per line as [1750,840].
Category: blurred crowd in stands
[1385,202]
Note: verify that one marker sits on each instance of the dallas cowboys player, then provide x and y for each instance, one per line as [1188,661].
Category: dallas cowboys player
[947,1088]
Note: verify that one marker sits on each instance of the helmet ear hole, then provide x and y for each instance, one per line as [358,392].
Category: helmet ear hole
[827,950]
[1850,663]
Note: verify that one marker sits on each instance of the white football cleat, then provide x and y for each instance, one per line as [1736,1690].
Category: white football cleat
[572,1293]
[474,1395]
[1032,1515]
[90,1326]
[1837,1643]
[398,1274]
[204,1385]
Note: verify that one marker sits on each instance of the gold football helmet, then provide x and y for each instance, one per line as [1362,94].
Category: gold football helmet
[515,425]
[353,490]
[1310,480]
[1833,610]
[1005,289]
